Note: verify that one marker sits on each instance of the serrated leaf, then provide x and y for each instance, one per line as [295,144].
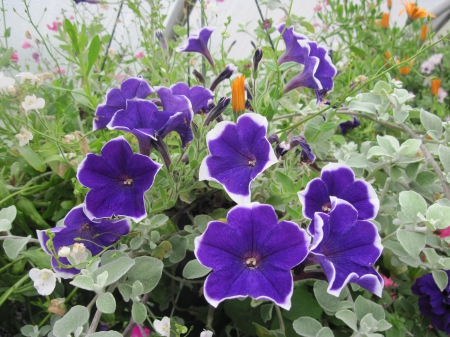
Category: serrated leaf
[13,247]
[307,326]
[106,303]
[412,242]
[76,317]
[441,279]
[194,269]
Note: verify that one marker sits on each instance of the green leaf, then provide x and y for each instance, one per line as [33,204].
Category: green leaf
[179,245]
[201,221]
[73,34]
[377,151]
[76,317]
[39,258]
[383,325]
[8,213]
[328,302]
[412,203]
[194,269]
[139,312]
[106,303]
[357,51]
[94,49]
[263,332]
[364,307]
[412,242]
[431,123]
[410,147]
[179,30]
[349,318]
[441,279]
[147,270]
[32,158]
[389,143]
[116,269]
[5,225]
[266,312]
[84,282]
[135,243]
[13,247]
[439,215]
[137,289]
[309,27]
[307,326]
[159,220]
[109,333]
[286,182]
[4,60]
[325,332]
[125,290]
[444,157]
[368,323]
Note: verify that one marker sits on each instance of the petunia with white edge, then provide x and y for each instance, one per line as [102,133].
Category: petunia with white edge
[31,102]
[44,280]
[162,326]
[24,136]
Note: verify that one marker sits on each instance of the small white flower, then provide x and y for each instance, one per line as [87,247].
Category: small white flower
[44,280]
[441,95]
[11,90]
[64,251]
[24,136]
[28,76]
[162,326]
[206,334]
[5,82]
[33,103]
[111,53]
[79,253]
[436,58]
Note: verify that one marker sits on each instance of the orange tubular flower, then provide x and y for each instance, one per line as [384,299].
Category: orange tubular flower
[435,85]
[389,4]
[414,12]
[423,32]
[238,94]
[407,69]
[385,21]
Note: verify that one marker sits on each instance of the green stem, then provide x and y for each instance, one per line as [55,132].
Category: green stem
[12,289]
[11,263]
[44,320]
[280,319]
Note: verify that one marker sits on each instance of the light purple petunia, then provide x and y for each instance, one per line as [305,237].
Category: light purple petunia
[347,248]
[198,96]
[297,47]
[198,43]
[94,235]
[239,153]
[118,180]
[116,99]
[251,255]
[338,180]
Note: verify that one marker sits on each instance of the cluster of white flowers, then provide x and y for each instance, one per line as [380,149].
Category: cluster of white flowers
[163,328]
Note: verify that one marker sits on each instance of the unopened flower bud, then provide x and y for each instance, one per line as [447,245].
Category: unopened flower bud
[225,74]
[64,252]
[273,139]
[198,76]
[257,58]
[28,35]
[11,90]
[162,40]
[217,110]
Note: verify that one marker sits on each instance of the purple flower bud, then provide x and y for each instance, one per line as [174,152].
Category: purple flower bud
[257,58]
[217,110]
[198,76]
[225,74]
[273,139]
[36,57]
[162,40]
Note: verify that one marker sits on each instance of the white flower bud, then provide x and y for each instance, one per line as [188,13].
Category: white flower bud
[79,253]
[64,252]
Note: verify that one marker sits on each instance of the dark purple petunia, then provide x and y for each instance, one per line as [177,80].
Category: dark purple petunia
[338,180]
[297,48]
[94,235]
[118,180]
[198,96]
[433,302]
[347,248]
[251,255]
[349,125]
[116,99]
[283,148]
[198,43]
[239,153]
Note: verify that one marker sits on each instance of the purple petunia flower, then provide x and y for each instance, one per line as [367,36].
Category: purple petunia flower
[198,96]
[239,153]
[86,1]
[118,180]
[94,235]
[198,43]
[433,302]
[349,125]
[347,248]
[251,255]
[338,180]
[297,48]
[116,99]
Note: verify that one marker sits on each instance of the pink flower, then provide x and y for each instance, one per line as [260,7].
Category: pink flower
[36,57]
[140,55]
[315,24]
[318,8]
[59,70]
[325,2]
[54,26]
[71,17]
[325,27]
[14,57]
[27,45]
[137,331]
[444,232]
[120,76]
[220,0]
[389,283]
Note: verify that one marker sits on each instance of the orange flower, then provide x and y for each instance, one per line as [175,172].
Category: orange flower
[385,21]
[407,69]
[389,4]
[423,32]
[435,85]
[238,94]
[387,56]
[414,12]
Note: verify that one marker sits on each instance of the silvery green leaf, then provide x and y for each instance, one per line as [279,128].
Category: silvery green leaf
[135,243]
[381,87]
[357,161]
[409,147]
[325,332]
[201,221]
[401,113]
[439,216]
[78,332]
[312,129]
[431,123]
[364,307]
[395,173]
[346,305]
[148,270]
[83,282]
[349,318]
[307,326]
[378,151]
[159,220]
[389,143]
[431,255]
[266,311]
[383,325]
[111,255]
[179,246]
[109,333]
[116,269]
[412,242]
[139,312]
[5,225]
[106,303]
[194,269]
[102,278]
[328,302]
[366,102]
[155,236]
[76,317]
[412,203]
[8,213]
[441,279]
[125,290]
[444,157]
[30,330]
[137,289]
[13,247]
[368,324]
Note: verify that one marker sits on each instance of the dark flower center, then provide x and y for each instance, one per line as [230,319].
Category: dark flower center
[128,181]
[252,260]
[326,207]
